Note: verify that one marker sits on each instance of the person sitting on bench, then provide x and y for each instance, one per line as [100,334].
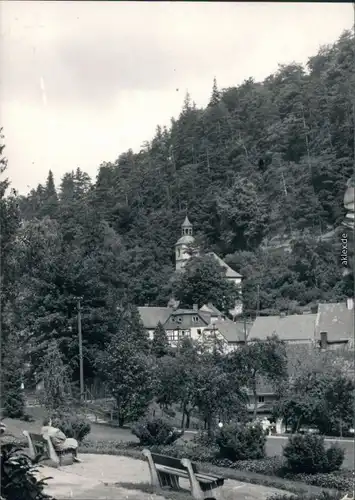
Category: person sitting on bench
[60,442]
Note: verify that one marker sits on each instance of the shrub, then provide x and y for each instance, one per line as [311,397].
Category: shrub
[305,496]
[335,458]
[18,480]
[270,466]
[202,438]
[72,426]
[333,481]
[155,431]
[237,441]
[307,453]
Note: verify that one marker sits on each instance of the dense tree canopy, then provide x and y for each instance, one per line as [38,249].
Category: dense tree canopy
[261,169]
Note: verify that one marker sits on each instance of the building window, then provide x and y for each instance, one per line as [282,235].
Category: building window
[179,319]
[195,319]
[175,335]
[261,399]
[199,331]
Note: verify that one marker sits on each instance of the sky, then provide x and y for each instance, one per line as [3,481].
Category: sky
[82,82]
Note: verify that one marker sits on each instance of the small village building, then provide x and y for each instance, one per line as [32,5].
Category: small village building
[295,328]
[335,325]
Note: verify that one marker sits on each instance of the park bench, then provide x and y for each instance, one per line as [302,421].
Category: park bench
[39,444]
[166,471]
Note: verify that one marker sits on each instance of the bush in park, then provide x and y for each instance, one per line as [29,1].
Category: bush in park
[307,453]
[238,441]
[155,431]
[72,425]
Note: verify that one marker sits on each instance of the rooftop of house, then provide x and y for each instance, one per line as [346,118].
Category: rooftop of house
[337,320]
[296,327]
[151,316]
[184,319]
[230,330]
[211,309]
[230,273]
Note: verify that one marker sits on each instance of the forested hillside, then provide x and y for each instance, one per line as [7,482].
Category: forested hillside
[262,161]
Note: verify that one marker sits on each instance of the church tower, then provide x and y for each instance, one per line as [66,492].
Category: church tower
[181,247]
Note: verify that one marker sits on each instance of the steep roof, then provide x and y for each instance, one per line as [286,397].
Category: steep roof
[186,222]
[230,273]
[232,332]
[335,319]
[151,316]
[294,327]
[212,309]
[186,321]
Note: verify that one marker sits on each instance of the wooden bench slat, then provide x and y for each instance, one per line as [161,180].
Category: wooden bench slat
[166,471]
[200,476]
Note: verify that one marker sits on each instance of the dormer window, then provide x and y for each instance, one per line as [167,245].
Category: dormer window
[195,319]
[179,319]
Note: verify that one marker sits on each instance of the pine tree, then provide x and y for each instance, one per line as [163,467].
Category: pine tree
[160,343]
[216,95]
[50,201]
[55,377]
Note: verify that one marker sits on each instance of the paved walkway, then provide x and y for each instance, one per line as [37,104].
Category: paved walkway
[86,481]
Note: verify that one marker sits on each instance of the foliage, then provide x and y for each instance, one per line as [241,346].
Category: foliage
[72,426]
[241,442]
[305,496]
[155,432]
[320,395]
[331,480]
[262,169]
[270,466]
[18,480]
[55,377]
[259,359]
[127,369]
[197,380]
[160,343]
[307,453]
[13,400]
[203,281]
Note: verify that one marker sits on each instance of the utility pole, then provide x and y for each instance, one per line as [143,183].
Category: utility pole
[81,364]
[258,301]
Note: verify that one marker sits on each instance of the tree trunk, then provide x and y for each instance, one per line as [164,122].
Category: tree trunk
[255,396]
[183,419]
[188,415]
